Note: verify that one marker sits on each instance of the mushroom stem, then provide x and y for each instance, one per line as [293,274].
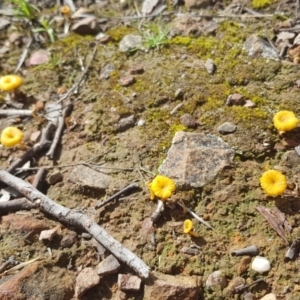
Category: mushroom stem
[194,234]
[159,209]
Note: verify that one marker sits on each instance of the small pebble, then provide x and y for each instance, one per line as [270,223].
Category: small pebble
[127,80]
[235,99]
[260,264]
[188,120]
[47,235]
[227,127]
[270,296]
[216,278]
[249,104]
[210,66]
[141,122]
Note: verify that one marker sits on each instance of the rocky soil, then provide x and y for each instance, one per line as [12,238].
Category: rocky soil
[205,77]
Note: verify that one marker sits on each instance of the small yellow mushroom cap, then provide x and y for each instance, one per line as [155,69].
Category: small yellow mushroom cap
[162,187]
[187,226]
[9,83]
[65,10]
[285,120]
[273,183]
[11,136]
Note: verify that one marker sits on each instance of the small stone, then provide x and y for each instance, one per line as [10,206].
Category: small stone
[39,105]
[85,280]
[68,240]
[170,287]
[188,121]
[54,177]
[141,122]
[86,236]
[106,71]
[47,235]
[249,103]
[189,251]
[227,127]
[136,70]
[256,46]
[261,264]
[248,296]
[235,283]
[216,278]
[125,123]
[297,40]
[4,23]
[235,99]
[35,136]
[243,265]
[210,66]
[127,80]
[109,265]
[87,177]
[270,296]
[86,26]
[37,58]
[128,282]
[129,42]
[103,38]
[192,4]
[15,38]
[285,35]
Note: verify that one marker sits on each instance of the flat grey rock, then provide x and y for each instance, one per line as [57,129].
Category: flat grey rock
[129,42]
[87,177]
[109,265]
[256,46]
[194,159]
[227,127]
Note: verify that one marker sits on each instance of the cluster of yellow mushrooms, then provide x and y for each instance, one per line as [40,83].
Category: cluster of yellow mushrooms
[273,182]
[11,136]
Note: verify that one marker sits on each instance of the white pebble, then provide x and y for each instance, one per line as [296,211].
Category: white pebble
[261,264]
[269,297]
[141,122]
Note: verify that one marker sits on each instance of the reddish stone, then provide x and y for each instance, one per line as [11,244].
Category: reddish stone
[127,80]
[27,223]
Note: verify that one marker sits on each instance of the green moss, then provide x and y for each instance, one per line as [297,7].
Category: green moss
[261,3]
[242,114]
[118,33]
[180,40]
[177,127]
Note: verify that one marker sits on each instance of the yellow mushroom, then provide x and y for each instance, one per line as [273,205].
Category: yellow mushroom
[11,136]
[273,183]
[65,10]
[161,187]
[285,120]
[188,228]
[10,83]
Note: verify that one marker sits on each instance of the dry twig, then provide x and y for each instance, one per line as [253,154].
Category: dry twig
[15,113]
[59,130]
[76,219]
[128,188]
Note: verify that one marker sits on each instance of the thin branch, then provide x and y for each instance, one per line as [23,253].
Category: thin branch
[59,131]
[128,188]
[15,113]
[76,219]
[95,167]
[34,151]
[15,205]
[23,56]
